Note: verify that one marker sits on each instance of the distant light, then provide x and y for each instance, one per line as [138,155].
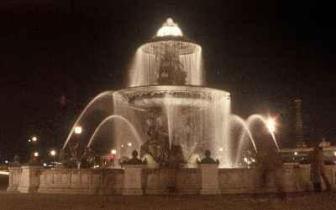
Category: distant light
[36,154]
[221,149]
[296,153]
[78,130]
[129,144]
[271,125]
[6,161]
[45,164]
[4,173]
[335,153]
[34,138]
[52,152]
[245,159]
[122,146]
[29,140]
[169,28]
[113,151]
[96,166]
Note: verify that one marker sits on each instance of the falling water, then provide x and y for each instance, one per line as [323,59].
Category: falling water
[144,69]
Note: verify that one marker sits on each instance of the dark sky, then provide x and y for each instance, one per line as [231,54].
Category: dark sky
[264,52]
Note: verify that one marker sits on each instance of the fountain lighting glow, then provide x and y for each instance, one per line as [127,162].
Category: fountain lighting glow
[90,104]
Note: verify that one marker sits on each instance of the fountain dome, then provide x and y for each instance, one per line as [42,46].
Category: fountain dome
[169,58]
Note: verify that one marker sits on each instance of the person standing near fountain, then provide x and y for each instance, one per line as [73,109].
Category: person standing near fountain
[317,170]
[269,165]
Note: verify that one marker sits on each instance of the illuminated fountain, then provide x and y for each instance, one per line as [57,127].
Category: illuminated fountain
[168,116]
[166,113]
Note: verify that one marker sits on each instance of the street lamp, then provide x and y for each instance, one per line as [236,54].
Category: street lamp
[78,130]
[129,144]
[36,154]
[34,139]
[271,125]
[53,154]
[113,151]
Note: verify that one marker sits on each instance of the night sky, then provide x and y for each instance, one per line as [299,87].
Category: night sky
[56,55]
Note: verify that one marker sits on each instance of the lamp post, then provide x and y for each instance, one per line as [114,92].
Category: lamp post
[53,153]
[36,154]
[34,139]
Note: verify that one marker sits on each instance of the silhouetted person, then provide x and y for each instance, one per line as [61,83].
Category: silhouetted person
[269,165]
[208,159]
[317,170]
[134,160]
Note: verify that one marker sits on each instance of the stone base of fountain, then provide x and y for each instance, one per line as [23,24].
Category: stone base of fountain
[157,181]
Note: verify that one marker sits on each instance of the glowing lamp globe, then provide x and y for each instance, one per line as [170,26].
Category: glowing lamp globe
[169,28]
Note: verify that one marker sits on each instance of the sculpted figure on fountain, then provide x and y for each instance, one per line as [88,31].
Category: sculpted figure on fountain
[157,144]
[171,69]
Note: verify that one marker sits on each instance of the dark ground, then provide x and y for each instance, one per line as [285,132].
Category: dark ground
[306,201]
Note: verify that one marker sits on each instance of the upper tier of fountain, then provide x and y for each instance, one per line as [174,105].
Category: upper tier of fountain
[169,58]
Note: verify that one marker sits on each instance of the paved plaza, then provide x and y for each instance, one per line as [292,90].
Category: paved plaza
[306,201]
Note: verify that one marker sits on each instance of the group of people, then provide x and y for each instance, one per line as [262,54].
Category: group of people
[270,166]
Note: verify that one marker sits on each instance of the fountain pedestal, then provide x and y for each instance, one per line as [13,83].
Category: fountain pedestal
[30,179]
[209,179]
[132,180]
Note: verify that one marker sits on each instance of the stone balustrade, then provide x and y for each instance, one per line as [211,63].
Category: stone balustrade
[141,180]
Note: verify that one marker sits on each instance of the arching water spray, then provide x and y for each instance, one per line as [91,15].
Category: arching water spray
[90,104]
[111,117]
[249,122]
[244,133]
